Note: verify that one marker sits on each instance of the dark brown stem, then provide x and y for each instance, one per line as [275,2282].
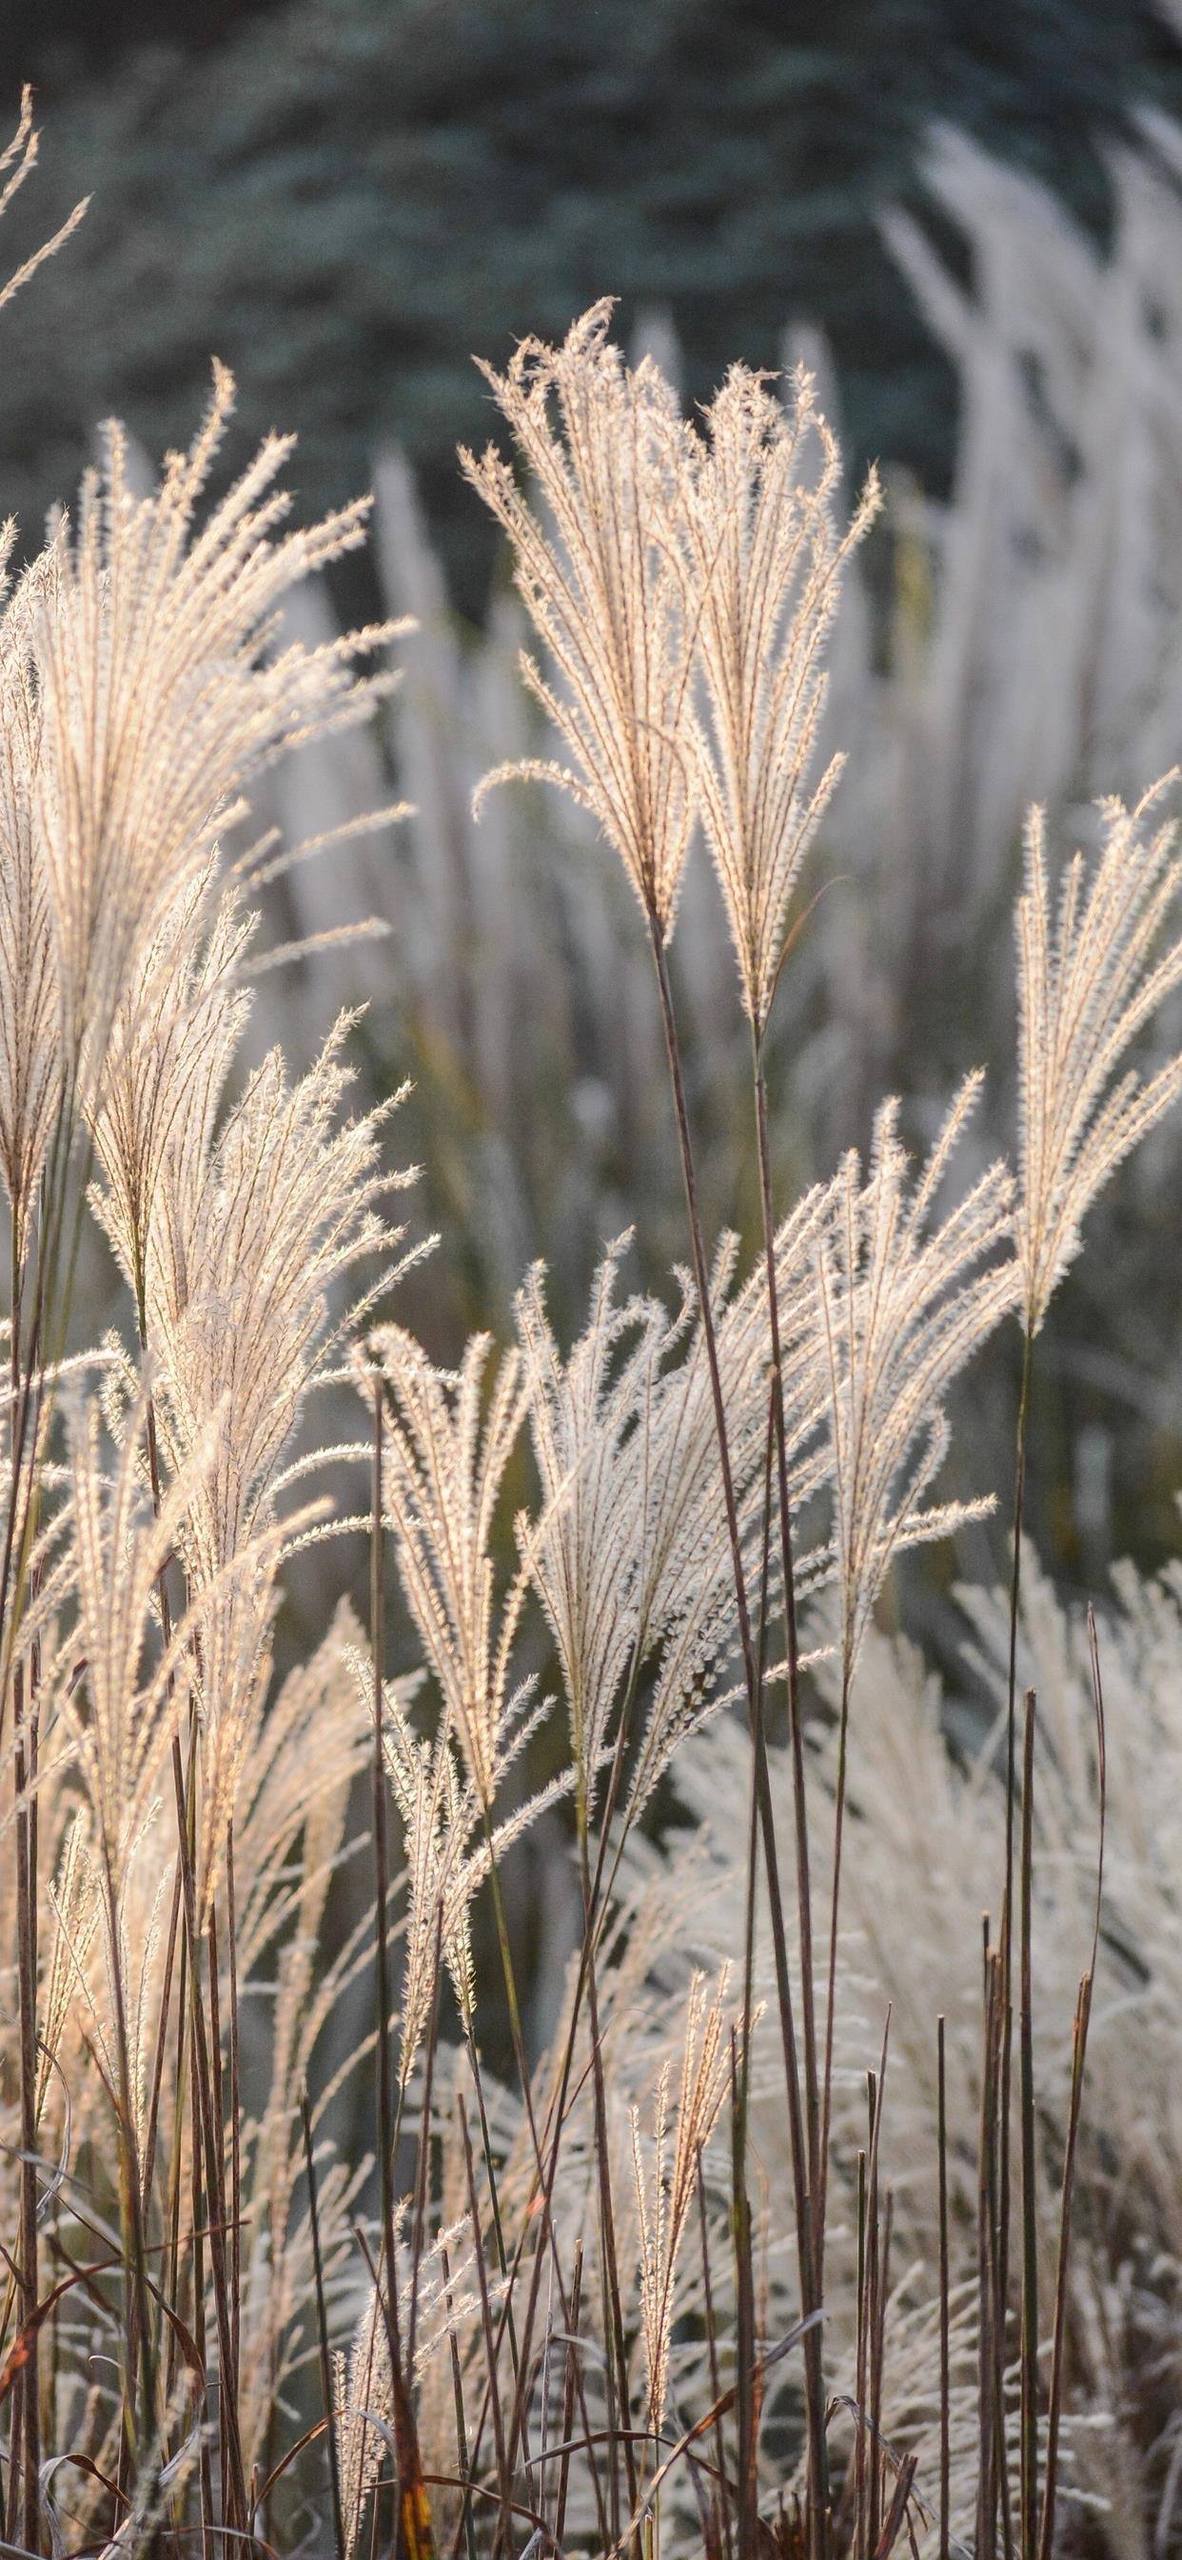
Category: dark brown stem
[988,2357]
[945,2359]
[30,2509]
[619,2390]
[385,2112]
[1079,2054]
[1007,1906]
[26,2433]
[1029,2346]
[457,2382]
[843,1735]
[795,1734]
[235,2097]
[334,2474]
[208,2123]
[817,2452]
[521,2061]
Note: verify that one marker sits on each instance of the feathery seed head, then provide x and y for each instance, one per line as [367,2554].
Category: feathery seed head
[251,1233]
[17,162]
[30,1055]
[605,589]
[903,1305]
[764,558]
[665,2195]
[1088,983]
[161,693]
[445,1465]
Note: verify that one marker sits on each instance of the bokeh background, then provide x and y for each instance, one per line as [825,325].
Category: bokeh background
[970,223]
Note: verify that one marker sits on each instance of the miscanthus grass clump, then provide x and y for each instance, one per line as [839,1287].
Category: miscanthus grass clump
[826,2219]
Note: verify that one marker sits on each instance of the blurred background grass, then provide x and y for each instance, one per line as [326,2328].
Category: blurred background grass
[972,221]
[346,197]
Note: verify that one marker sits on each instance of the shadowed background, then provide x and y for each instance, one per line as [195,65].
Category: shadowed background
[972,226]
[347,197]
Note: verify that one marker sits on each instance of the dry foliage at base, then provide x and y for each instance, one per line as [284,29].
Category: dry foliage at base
[824,2222]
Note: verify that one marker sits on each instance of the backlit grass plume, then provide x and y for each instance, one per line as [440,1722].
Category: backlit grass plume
[764,557]
[444,1474]
[30,1044]
[666,2189]
[1091,977]
[905,1303]
[160,693]
[605,445]
[393,2172]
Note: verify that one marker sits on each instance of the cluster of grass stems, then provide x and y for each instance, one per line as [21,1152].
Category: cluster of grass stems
[498,2255]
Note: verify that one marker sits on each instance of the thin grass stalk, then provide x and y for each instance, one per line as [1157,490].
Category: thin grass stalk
[544,2394]
[988,2366]
[599,1901]
[26,2257]
[544,2185]
[568,2395]
[1079,2046]
[173,2201]
[141,2361]
[817,2449]
[423,2149]
[861,2351]
[817,2134]
[795,1734]
[875,2289]
[160,2048]
[1020,1454]
[334,2473]
[720,2501]
[198,2263]
[615,2361]
[898,2513]
[544,2182]
[414,2537]
[490,2347]
[945,2357]
[589,2439]
[747,2416]
[993,2334]
[29,2407]
[1021,1439]
[490,2170]
[29,1372]
[748,2451]
[186,1783]
[38,1386]
[235,2096]
[414,2526]
[521,2061]
[175,1910]
[839,1800]
[32,1370]
[457,2382]
[226,2392]
[1029,2354]
[371,2349]
[470,2485]
[1079,2050]
[878,2367]
[210,2130]
[381,1866]
[37,1374]
[601,1891]
[180,2081]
